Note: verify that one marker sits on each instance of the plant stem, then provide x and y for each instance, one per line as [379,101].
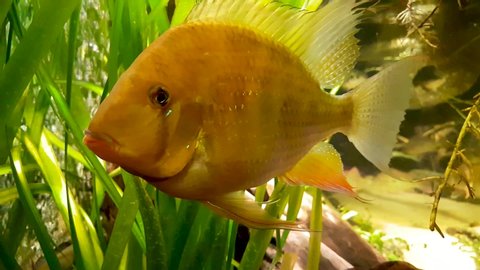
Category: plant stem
[315,241]
[450,169]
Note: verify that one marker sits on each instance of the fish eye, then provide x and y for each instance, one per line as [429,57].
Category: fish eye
[160,96]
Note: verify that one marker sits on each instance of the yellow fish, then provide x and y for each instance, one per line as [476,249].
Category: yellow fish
[234,97]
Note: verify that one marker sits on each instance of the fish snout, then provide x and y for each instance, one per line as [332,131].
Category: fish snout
[102,145]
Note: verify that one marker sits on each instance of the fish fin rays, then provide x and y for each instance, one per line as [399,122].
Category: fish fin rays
[379,107]
[239,207]
[324,39]
[322,168]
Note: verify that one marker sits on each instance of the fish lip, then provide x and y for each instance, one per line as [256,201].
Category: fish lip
[102,145]
[99,136]
[95,140]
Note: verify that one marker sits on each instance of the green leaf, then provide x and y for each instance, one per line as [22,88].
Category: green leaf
[315,241]
[91,253]
[135,257]
[66,115]
[78,240]
[36,117]
[304,4]
[4,7]
[294,204]
[7,260]
[83,84]
[10,194]
[157,22]
[199,241]
[122,229]
[28,202]
[72,152]
[232,232]
[167,211]
[47,23]
[14,231]
[182,10]
[207,242]
[219,245]
[156,249]
[187,212]
[260,239]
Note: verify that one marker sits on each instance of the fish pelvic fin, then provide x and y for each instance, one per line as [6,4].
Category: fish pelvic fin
[244,210]
[323,39]
[322,168]
[379,106]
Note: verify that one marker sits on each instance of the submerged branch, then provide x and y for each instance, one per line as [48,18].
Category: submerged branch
[456,154]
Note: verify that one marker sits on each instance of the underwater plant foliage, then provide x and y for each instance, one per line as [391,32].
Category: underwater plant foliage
[58,59]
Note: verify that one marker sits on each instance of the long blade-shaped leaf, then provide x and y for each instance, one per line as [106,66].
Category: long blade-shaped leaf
[187,212]
[10,194]
[4,6]
[156,252]
[13,233]
[315,241]
[6,259]
[35,219]
[17,73]
[122,229]
[182,10]
[260,239]
[45,157]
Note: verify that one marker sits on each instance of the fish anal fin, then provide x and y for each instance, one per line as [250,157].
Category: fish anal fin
[322,168]
[244,210]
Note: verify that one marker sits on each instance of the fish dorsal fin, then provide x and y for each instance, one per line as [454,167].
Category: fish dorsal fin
[324,39]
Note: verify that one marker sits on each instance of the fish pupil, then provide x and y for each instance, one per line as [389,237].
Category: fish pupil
[162,96]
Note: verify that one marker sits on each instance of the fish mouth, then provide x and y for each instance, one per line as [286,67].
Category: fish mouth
[102,145]
[107,149]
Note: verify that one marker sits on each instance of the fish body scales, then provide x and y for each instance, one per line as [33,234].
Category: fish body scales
[263,110]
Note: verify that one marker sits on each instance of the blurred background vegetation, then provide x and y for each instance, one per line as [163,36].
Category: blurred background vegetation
[62,207]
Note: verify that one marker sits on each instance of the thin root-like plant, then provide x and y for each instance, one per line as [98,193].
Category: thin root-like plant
[470,125]
[417,21]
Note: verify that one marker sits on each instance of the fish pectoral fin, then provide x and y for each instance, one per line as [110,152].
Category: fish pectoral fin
[242,209]
[322,168]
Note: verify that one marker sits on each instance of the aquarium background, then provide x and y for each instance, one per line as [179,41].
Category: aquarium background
[62,207]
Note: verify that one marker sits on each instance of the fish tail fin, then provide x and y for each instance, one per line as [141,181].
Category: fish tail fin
[379,106]
[240,208]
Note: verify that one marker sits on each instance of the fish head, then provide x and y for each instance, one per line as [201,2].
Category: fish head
[150,121]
